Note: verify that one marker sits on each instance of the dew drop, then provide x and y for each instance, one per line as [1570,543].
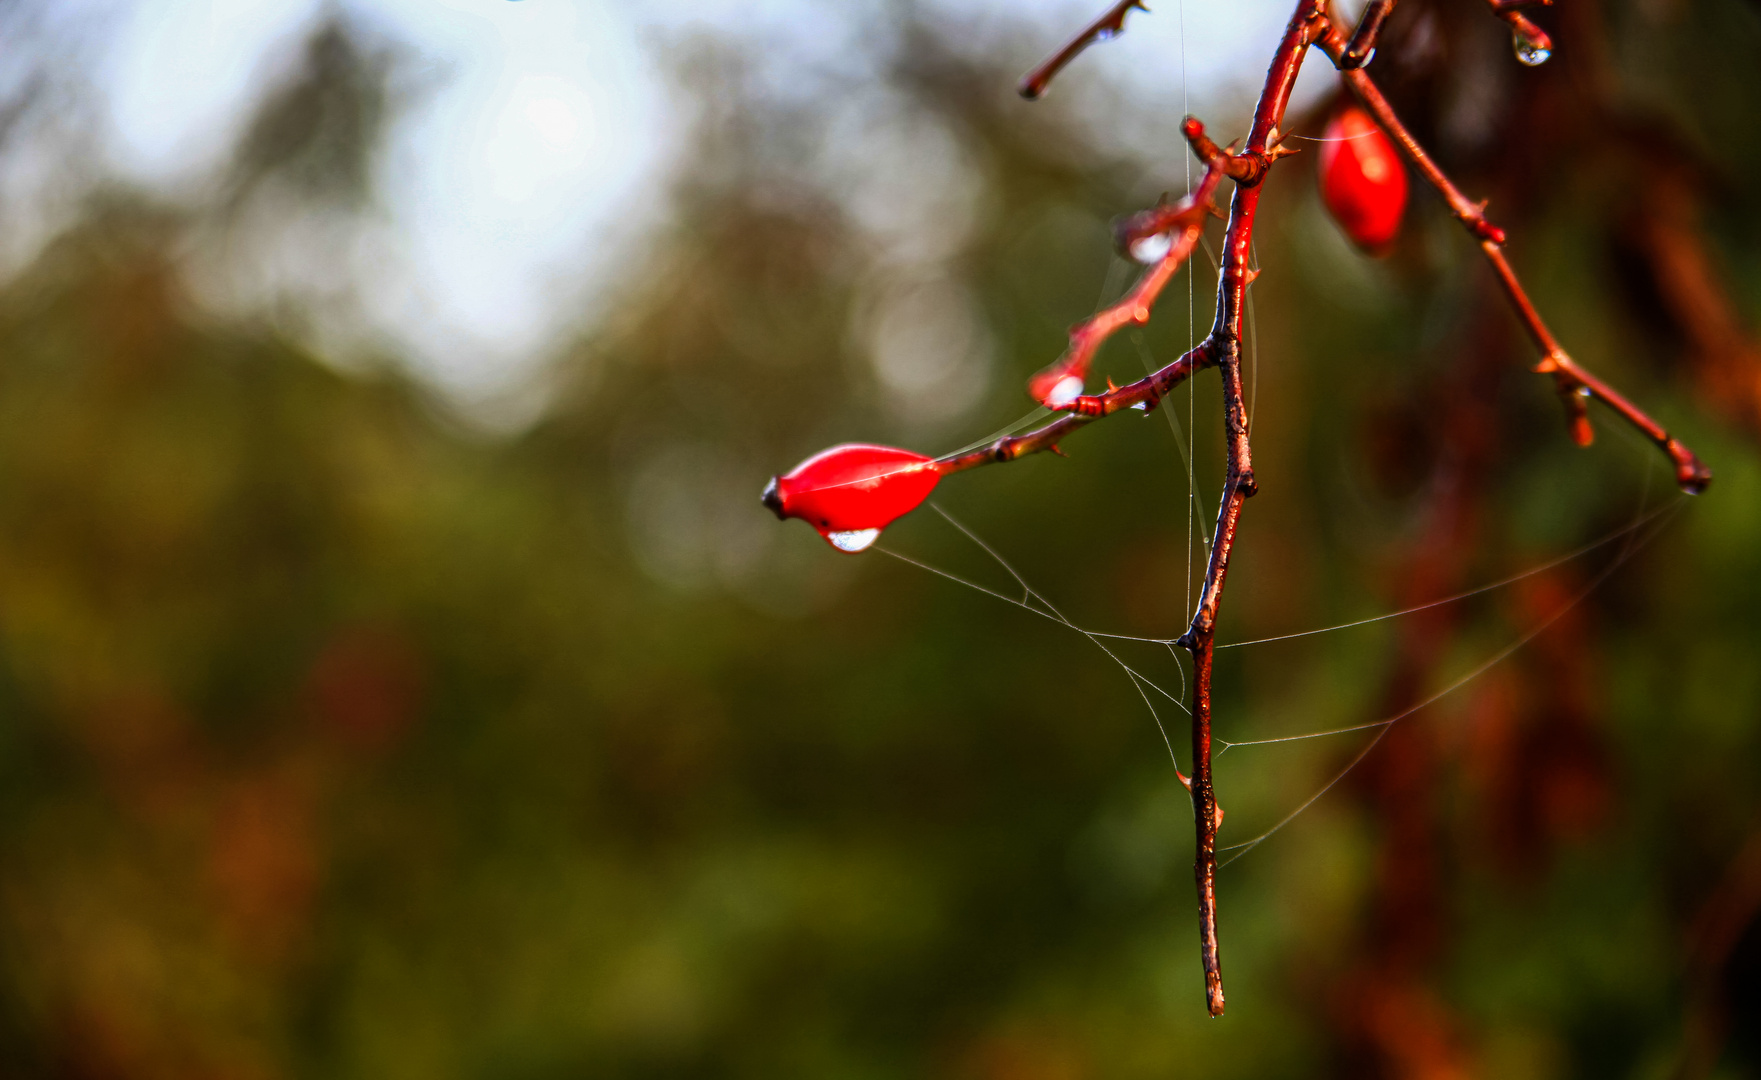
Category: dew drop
[1141,406]
[1528,52]
[1371,55]
[1106,33]
[1152,249]
[853,541]
[1069,388]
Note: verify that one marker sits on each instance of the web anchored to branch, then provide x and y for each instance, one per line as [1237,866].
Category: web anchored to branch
[1631,538]
[850,493]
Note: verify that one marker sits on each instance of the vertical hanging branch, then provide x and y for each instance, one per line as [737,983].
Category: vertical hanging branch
[1225,343]
[1221,349]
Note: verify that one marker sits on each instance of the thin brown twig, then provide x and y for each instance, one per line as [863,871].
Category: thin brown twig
[1183,222]
[1363,39]
[1110,24]
[1144,393]
[1186,219]
[1575,384]
[1224,342]
[1222,349]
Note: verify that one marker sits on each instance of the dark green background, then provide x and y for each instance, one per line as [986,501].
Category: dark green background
[343,736]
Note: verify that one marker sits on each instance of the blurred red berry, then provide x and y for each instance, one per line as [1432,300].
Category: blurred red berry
[851,492]
[1363,181]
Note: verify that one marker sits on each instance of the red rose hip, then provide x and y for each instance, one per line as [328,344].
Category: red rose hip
[851,492]
[1362,180]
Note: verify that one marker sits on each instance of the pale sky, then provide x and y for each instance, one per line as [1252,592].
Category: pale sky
[543,145]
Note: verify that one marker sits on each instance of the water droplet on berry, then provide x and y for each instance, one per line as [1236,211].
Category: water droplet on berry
[853,541]
[1530,53]
[1152,249]
[1068,389]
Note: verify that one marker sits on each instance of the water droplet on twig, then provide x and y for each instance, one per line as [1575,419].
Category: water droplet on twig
[1531,53]
[1152,249]
[1068,389]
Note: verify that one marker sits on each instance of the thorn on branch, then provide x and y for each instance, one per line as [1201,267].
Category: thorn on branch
[1217,807]
[1110,24]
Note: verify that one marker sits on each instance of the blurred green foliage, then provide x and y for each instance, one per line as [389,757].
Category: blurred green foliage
[341,738]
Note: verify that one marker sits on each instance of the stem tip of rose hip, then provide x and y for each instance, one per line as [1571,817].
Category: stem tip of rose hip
[772,498]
